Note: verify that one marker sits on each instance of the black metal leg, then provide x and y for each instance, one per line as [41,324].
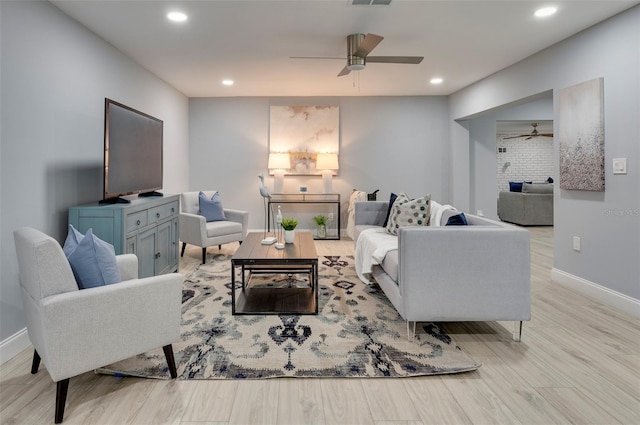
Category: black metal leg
[184,245]
[61,399]
[219,246]
[36,362]
[168,353]
[204,255]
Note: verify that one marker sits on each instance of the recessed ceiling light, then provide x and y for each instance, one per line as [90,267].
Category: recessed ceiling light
[227,82]
[436,80]
[545,11]
[176,16]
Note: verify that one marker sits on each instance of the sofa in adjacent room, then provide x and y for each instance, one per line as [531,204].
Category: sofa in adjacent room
[477,272]
[531,206]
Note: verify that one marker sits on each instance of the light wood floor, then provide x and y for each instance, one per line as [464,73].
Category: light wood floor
[578,362]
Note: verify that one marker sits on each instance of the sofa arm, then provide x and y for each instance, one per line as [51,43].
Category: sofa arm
[238,216]
[193,228]
[128,265]
[111,322]
[370,213]
[465,272]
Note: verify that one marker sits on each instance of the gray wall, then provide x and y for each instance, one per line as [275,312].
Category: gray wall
[608,222]
[389,143]
[55,75]
[482,150]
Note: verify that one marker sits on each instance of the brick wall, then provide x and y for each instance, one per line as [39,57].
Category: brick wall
[530,160]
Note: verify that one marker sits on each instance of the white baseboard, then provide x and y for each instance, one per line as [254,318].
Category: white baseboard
[16,343]
[600,293]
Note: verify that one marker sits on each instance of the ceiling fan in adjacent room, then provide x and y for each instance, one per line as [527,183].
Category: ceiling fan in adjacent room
[534,133]
[358,48]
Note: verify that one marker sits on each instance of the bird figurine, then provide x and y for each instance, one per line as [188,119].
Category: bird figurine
[264,191]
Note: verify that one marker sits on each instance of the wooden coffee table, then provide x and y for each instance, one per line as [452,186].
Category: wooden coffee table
[254,258]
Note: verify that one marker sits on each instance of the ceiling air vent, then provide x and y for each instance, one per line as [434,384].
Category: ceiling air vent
[370,2]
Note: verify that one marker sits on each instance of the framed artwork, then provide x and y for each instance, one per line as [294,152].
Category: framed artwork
[581,136]
[303,132]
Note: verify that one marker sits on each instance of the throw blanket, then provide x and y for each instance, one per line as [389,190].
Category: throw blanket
[436,213]
[371,248]
[356,196]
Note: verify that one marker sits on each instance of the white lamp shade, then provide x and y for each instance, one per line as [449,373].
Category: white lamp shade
[327,161]
[279,161]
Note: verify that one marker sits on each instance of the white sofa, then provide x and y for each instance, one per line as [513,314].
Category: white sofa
[479,272]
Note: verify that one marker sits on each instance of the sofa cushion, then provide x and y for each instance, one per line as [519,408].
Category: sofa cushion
[390,264]
[92,260]
[405,212]
[222,228]
[537,188]
[211,209]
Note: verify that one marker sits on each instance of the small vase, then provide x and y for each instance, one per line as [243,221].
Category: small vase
[322,231]
[289,236]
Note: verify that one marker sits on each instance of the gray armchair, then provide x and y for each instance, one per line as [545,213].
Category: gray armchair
[195,230]
[75,331]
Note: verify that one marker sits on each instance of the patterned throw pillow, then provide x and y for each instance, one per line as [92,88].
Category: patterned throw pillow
[406,212]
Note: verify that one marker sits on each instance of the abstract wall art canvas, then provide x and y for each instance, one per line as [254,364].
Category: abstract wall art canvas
[581,136]
[303,132]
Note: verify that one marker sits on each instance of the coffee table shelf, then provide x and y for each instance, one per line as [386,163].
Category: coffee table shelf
[253,258]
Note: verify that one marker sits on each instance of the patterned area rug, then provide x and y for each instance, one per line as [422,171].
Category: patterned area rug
[357,333]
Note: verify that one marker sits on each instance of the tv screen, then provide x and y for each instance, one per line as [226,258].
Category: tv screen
[132,152]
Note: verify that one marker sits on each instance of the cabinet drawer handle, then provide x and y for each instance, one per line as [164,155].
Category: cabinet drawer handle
[138,222]
[158,255]
[173,210]
[157,215]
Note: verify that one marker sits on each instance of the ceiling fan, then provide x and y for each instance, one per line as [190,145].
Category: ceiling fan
[534,133]
[358,48]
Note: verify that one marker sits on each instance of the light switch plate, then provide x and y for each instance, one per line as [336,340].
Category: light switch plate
[619,165]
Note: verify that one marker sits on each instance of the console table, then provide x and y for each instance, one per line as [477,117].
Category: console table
[330,199]
[147,227]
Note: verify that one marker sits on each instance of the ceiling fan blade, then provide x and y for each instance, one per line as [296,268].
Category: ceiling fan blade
[546,134]
[316,57]
[344,71]
[369,42]
[516,137]
[395,59]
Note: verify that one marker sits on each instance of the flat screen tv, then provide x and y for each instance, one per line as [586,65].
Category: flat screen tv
[132,153]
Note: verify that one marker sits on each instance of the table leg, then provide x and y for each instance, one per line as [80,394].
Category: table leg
[233,288]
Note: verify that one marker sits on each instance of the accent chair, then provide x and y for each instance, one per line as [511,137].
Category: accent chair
[75,331]
[196,230]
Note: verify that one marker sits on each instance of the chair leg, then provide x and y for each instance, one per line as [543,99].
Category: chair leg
[204,255]
[184,245]
[36,362]
[168,353]
[411,330]
[517,331]
[61,399]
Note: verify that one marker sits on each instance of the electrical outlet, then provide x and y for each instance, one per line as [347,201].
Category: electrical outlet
[576,243]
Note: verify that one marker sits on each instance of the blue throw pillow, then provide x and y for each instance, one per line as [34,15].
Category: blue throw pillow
[457,220]
[92,260]
[211,209]
[515,186]
[392,199]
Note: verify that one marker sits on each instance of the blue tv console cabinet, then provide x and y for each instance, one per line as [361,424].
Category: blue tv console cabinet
[147,227]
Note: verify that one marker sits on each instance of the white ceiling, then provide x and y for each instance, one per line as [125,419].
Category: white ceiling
[251,41]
